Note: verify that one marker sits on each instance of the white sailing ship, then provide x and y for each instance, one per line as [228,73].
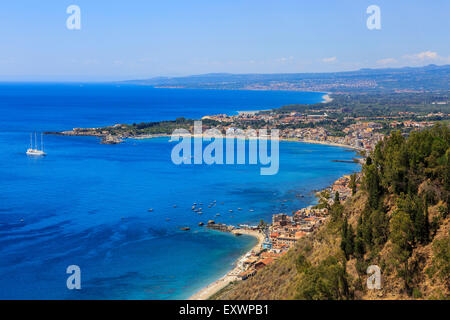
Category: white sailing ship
[33,150]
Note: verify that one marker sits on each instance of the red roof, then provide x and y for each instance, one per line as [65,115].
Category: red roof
[274,235]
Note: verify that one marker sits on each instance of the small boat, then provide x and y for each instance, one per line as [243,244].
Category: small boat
[200,224]
[230,210]
[34,151]
[174,205]
[150,210]
[185,228]
[251,210]
[239,208]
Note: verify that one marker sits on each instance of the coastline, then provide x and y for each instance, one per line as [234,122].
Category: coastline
[214,287]
[325,99]
[327,143]
[232,275]
[250,112]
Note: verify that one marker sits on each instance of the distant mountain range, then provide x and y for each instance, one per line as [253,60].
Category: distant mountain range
[431,78]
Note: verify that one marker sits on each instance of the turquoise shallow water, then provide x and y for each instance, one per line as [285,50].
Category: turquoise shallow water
[86,203]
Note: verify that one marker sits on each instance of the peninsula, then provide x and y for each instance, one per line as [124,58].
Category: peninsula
[357,121]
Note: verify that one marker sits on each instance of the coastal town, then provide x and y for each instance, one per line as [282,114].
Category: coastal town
[225,159]
[363,133]
[275,239]
[324,125]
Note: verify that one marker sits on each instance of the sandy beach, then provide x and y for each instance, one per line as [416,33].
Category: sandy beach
[232,275]
[251,112]
[330,144]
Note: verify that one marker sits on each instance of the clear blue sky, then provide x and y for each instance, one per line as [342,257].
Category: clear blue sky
[138,39]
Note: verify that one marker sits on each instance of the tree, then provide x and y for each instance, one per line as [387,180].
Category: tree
[323,200]
[337,209]
[262,224]
[420,227]
[359,240]
[380,227]
[441,259]
[347,239]
[352,183]
[326,281]
[302,263]
[401,234]
[418,213]
[372,185]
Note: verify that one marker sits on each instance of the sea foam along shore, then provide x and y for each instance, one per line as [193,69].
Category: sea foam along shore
[232,275]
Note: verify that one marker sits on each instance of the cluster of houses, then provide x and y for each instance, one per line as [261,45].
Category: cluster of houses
[364,134]
[412,124]
[342,186]
[361,135]
[282,235]
[256,261]
[286,230]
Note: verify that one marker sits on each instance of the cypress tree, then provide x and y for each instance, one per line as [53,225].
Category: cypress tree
[353,183]
[359,241]
[336,197]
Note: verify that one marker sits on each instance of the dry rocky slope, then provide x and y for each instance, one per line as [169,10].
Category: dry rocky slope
[397,219]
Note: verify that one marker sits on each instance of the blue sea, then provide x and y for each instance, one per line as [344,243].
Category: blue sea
[87,204]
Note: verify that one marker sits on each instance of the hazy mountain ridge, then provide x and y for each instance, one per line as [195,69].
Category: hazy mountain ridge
[417,79]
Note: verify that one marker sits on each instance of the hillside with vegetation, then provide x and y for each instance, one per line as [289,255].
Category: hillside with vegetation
[397,219]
